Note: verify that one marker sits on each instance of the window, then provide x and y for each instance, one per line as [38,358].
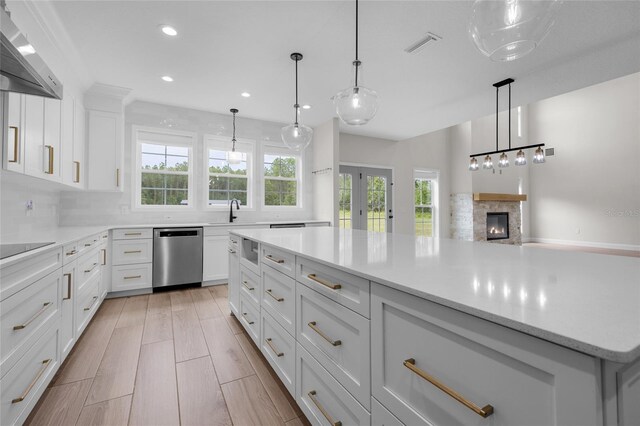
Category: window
[228,181]
[282,173]
[345,191]
[163,169]
[425,196]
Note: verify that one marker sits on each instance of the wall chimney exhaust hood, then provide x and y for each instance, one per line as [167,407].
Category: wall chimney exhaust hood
[22,69]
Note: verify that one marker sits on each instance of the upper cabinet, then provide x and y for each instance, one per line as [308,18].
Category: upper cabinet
[13,138]
[73,141]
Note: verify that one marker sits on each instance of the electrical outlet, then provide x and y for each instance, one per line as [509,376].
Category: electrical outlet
[30,205]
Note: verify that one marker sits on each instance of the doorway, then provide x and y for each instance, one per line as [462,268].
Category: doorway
[365,198]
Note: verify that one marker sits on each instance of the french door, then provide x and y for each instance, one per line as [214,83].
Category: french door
[365,199]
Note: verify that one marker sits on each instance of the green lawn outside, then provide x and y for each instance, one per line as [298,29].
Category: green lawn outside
[425,229]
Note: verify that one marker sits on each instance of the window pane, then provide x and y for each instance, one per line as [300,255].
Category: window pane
[161,188]
[424,221]
[238,169]
[272,198]
[177,197]
[281,166]
[217,154]
[238,184]
[177,181]
[289,199]
[177,163]
[152,180]
[178,150]
[242,196]
[217,166]
[152,197]
[216,182]
[153,161]
[152,148]
[218,198]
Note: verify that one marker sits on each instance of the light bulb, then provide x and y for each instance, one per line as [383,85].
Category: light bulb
[234,157]
[488,164]
[521,159]
[538,156]
[473,164]
[356,105]
[504,160]
[296,136]
[355,101]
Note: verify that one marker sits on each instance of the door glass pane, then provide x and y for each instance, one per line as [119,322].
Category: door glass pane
[377,203]
[345,192]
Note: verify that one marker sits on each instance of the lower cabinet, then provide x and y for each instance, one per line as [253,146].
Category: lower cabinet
[67,327]
[279,348]
[234,277]
[380,416]
[131,277]
[250,318]
[215,257]
[87,302]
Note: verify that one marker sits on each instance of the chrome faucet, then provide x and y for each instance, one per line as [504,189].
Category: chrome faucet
[231,216]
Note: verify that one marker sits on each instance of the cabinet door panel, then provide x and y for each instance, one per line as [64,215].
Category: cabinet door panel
[14,138]
[215,265]
[34,136]
[105,150]
[67,336]
[67,140]
[52,129]
[234,281]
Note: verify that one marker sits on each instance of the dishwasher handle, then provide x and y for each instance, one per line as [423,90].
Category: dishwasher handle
[170,233]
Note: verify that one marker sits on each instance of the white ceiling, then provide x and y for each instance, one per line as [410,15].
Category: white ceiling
[227,47]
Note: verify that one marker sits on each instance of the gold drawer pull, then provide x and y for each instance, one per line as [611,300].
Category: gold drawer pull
[72,252]
[16,147]
[234,241]
[246,284]
[245,314]
[49,171]
[104,256]
[132,251]
[21,398]
[76,178]
[88,244]
[232,251]
[86,271]
[30,320]
[132,233]
[314,327]
[324,283]
[273,348]
[312,396]
[277,299]
[68,286]
[273,259]
[117,178]
[485,411]
[92,303]
[133,277]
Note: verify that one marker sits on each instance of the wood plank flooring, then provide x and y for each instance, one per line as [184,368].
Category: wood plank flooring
[175,358]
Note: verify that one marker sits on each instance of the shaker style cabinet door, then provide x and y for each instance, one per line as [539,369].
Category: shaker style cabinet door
[215,258]
[13,139]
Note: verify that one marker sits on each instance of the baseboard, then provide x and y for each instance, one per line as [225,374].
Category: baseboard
[631,247]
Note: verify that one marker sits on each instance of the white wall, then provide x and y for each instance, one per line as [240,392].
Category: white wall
[325,162]
[116,208]
[425,152]
[589,191]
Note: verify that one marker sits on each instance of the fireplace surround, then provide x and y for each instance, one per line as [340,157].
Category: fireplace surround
[497,226]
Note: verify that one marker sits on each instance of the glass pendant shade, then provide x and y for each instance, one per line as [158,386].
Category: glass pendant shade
[521,159]
[296,136]
[487,164]
[234,157]
[473,165]
[538,156]
[504,160]
[505,30]
[356,105]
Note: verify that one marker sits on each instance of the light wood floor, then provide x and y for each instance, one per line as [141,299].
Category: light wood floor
[598,250]
[166,359]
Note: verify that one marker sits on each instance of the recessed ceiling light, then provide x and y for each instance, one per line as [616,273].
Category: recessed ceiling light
[245,94]
[306,106]
[167,78]
[169,30]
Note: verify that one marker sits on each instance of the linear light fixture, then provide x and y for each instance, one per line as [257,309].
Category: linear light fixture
[504,159]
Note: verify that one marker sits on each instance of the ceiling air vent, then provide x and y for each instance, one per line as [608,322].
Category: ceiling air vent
[418,45]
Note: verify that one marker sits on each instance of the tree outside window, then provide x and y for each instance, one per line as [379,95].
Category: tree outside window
[228,181]
[424,209]
[164,179]
[280,180]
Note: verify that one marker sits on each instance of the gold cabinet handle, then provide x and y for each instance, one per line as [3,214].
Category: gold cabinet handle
[68,286]
[232,251]
[485,411]
[277,299]
[88,244]
[95,298]
[104,256]
[117,178]
[16,146]
[21,398]
[332,286]
[246,285]
[273,259]
[71,253]
[36,315]
[133,277]
[273,348]
[245,315]
[76,179]
[234,241]
[315,328]
[312,396]
[132,233]
[49,171]
[86,271]
[132,251]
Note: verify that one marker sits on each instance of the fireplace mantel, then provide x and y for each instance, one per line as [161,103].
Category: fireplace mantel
[485,196]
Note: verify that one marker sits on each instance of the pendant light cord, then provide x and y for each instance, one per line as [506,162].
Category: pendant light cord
[497,111]
[509,115]
[357,61]
[233,148]
[296,106]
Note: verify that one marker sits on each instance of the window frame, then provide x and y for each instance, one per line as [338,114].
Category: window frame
[180,141]
[285,152]
[433,176]
[219,142]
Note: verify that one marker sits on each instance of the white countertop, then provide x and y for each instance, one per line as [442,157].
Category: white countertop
[584,301]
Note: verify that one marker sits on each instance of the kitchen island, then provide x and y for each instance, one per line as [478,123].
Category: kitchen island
[418,330]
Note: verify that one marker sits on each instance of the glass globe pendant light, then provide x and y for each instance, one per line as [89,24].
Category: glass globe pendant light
[488,164]
[521,160]
[296,136]
[538,156]
[356,105]
[503,161]
[234,157]
[505,30]
[473,164]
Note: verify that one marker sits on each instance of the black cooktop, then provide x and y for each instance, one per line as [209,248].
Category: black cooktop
[8,250]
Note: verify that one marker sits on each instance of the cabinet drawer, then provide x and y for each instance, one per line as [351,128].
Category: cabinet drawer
[338,338]
[279,260]
[346,289]
[416,343]
[132,234]
[21,387]
[25,315]
[250,318]
[250,285]
[279,348]
[321,397]
[233,241]
[87,302]
[88,243]
[19,275]
[380,416]
[70,252]
[278,298]
[88,266]
[127,252]
[131,277]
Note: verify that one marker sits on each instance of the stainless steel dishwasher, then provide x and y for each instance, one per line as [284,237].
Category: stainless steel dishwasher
[177,256]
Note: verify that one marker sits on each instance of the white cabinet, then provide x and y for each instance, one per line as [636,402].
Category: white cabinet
[73,140]
[132,259]
[215,258]
[13,139]
[106,148]
[52,139]
[234,276]
[42,123]
[67,329]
